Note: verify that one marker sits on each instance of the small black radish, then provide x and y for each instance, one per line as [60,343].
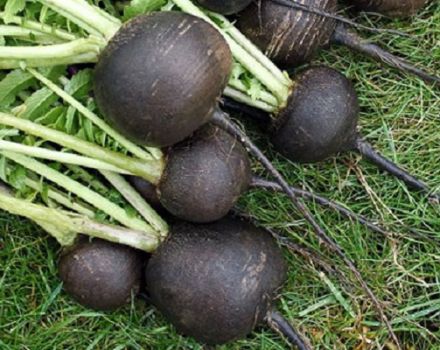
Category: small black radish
[101,275]
[290,34]
[321,120]
[206,174]
[226,7]
[391,8]
[305,131]
[217,282]
[160,76]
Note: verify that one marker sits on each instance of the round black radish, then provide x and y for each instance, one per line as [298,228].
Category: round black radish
[205,175]
[288,36]
[392,8]
[160,76]
[226,7]
[101,275]
[216,282]
[321,117]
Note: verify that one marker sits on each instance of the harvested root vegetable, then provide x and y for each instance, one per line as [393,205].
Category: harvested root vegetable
[217,282]
[321,120]
[101,275]
[160,77]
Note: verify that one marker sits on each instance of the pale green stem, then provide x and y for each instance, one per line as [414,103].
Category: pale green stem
[52,52]
[244,98]
[24,33]
[65,226]
[82,174]
[16,206]
[280,91]
[137,239]
[82,13]
[249,46]
[149,170]
[95,119]
[263,96]
[62,157]
[43,28]
[273,84]
[60,198]
[156,153]
[137,201]
[89,57]
[83,192]
[72,18]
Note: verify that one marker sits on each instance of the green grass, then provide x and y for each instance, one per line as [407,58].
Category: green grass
[401,116]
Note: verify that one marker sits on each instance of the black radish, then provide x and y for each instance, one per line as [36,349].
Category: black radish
[205,176]
[217,282]
[391,8]
[321,120]
[226,7]
[160,76]
[291,34]
[101,275]
[157,77]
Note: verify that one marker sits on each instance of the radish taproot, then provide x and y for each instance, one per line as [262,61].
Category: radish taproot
[101,275]
[391,8]
[290,34]
[307,132]
[216,282]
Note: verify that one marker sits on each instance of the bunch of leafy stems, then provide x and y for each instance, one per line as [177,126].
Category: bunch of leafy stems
[102,27]
[144,232]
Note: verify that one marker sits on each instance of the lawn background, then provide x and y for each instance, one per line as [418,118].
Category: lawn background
[401,116]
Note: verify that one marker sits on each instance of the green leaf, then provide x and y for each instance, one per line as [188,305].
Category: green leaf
[80,84]
[131,212]
[53,73]
[38,104]
[70,125]
[60,123]
[12,8]
[15,82]
[138,7]
[88,130]
[17,177]
[52,116]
